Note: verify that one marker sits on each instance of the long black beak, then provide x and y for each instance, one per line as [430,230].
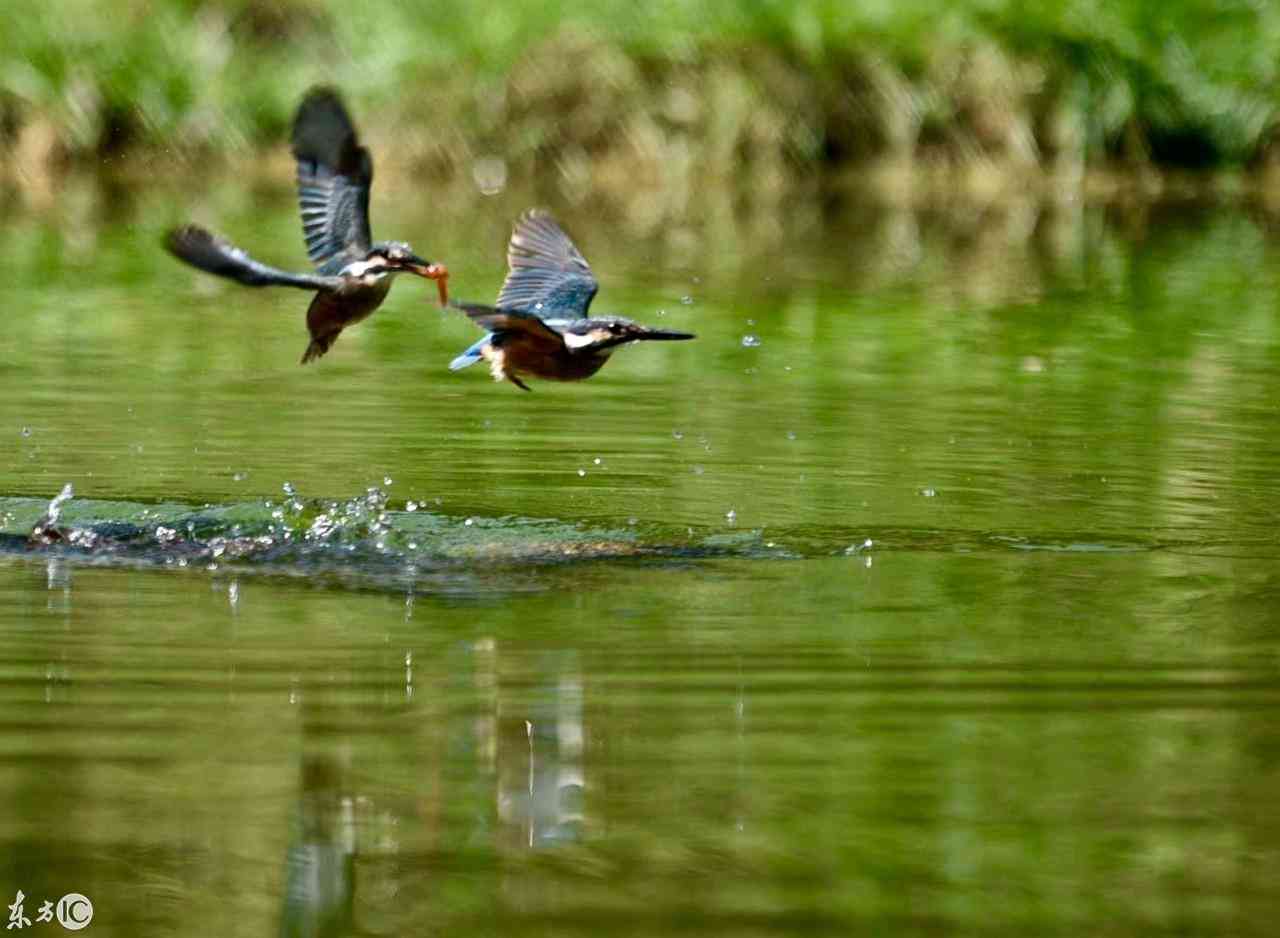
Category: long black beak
[664,335]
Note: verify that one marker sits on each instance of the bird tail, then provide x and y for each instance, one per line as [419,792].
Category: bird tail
[470,356]
[319,345]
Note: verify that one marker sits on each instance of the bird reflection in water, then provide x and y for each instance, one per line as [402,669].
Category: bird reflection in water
[541,790]
[319,893]
[506,775]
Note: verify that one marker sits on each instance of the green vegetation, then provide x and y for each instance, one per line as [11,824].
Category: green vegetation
[613,92]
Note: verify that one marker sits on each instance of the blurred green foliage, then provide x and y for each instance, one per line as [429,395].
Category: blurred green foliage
[1182,82]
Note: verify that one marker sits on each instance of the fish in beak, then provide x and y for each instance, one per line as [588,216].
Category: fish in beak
[437,272]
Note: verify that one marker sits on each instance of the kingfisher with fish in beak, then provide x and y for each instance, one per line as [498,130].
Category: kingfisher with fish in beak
[539,326]
[353,272]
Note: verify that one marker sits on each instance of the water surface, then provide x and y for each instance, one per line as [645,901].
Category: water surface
[946,601]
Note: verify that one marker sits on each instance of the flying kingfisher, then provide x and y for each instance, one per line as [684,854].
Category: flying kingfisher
[540,326]
[353,273]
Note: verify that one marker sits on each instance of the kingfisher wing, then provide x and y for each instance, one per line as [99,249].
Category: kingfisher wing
[546,274]
[504,322]
[208,252]
[334,175]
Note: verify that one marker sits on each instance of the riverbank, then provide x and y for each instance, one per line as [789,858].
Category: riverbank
[970,96]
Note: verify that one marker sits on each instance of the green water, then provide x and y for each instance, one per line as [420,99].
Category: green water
[630,666]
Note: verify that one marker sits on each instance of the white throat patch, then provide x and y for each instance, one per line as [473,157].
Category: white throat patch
[361,268]
[576,340]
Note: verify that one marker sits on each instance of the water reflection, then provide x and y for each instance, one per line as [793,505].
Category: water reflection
[515,758]
[320,881]
[542,790]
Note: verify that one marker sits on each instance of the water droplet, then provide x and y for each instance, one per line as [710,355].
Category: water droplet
[698,470]
[751,322]
[387,480]
[581,473]
[928,493]
[633,521]
[489,174]
[240,476]
[288,489]
[791,434]
[26,431]
[677,434]
[750,341]
[469,522]
[686,300]
[731,516]
[597,460]
[411,506]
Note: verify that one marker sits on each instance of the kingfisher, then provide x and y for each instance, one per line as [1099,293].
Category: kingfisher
[353,272]
[539,325]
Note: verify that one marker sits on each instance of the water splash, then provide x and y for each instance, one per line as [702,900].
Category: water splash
[361,541]
[45,531]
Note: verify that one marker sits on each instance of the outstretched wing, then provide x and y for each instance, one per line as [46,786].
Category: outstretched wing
[500,322]
[334,175]
[208,252]
[546,274]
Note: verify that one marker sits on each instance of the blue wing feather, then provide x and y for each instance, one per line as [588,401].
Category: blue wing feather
[546,274]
